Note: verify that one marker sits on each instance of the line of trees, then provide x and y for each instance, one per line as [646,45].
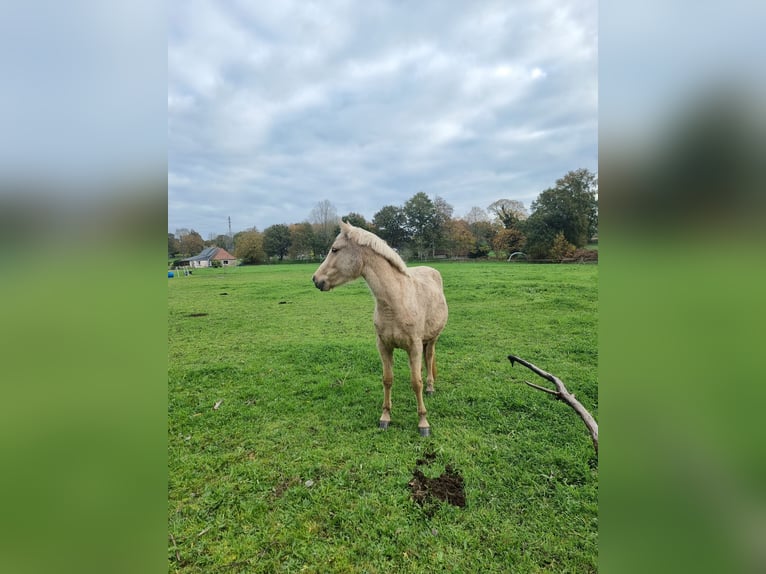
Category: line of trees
[563,219]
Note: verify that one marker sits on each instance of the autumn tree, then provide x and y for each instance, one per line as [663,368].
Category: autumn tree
[191,243]
[483,231]
[248,247]
[561,248]
[459,239]
[508,241]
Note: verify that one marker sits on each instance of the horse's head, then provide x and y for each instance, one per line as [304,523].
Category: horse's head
[342,264]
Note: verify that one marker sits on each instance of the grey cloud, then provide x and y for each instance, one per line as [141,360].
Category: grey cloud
[273,109]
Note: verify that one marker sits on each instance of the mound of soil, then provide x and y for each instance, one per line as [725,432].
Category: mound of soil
[447,487]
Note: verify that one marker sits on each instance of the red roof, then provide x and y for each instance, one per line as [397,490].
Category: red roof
[222,254]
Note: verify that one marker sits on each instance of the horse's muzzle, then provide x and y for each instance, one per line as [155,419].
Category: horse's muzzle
[319,284]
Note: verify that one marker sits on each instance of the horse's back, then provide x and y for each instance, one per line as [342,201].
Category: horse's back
[426,274]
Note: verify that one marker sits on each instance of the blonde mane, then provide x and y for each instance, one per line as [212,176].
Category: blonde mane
[379,246]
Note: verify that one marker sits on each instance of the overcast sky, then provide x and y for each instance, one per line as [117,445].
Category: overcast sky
[275,106]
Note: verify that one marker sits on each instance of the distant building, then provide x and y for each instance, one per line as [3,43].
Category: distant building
[208,255]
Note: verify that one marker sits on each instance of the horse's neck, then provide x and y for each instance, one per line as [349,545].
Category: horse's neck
[386,283]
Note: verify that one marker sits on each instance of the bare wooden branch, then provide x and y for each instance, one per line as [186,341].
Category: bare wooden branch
[544,389]
[563,394]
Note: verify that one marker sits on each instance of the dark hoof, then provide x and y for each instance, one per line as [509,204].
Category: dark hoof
[426,431]
[429,392]
[383,425]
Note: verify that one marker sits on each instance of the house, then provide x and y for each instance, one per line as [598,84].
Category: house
[208,256]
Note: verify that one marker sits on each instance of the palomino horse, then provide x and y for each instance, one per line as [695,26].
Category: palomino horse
[410,308]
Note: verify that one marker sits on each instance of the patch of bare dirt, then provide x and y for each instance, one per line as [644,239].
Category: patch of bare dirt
[447,487]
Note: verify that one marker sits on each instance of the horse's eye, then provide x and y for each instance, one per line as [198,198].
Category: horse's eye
[334,249]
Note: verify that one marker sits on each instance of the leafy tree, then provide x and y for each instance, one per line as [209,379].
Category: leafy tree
[485,232]
[301,240]
[174,246]
[248,247]
[276,240]
[479,250]
[390,223]
[421,221]
[321,243]
[191,243]
[571,206]
[357,220]
[444,213]
[540,236]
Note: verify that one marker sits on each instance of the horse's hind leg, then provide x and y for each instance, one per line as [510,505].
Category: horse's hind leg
[429,350]
[387,358]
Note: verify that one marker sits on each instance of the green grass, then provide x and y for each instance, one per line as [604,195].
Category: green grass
[298,375]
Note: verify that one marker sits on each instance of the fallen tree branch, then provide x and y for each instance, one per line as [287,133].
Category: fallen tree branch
[562,394]
[544,389]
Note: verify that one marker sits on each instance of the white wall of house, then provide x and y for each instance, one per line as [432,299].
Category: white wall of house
[208,263]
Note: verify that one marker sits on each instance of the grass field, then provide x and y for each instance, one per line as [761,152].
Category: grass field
[290,472]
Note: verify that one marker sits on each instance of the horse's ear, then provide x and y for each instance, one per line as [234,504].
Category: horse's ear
[345,227]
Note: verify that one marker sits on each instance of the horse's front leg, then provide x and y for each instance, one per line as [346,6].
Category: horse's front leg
[416,378]
[429,349]
[387,358]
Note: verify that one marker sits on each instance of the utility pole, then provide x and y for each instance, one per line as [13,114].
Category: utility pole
[231,237]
